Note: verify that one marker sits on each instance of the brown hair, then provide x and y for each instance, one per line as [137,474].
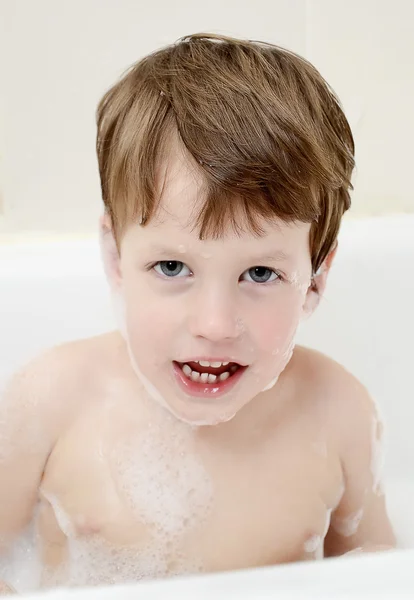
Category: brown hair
[264,128]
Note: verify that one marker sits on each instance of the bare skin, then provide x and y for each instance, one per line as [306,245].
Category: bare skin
[288,479]
[5,589]
[129,475]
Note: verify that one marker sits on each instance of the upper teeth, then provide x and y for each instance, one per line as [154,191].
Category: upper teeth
[216,365]
[207,377]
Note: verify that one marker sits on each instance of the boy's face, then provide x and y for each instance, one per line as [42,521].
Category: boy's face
[235,300]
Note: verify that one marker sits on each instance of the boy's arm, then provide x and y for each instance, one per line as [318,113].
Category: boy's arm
[360,522]
[28,429]
[5,589]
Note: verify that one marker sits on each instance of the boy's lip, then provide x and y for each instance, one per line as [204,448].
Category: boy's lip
[211,390]
[212,359]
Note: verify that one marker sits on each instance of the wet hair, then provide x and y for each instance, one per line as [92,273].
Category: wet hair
[262,127]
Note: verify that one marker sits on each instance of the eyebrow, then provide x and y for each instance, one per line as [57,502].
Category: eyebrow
[167,251]
[277,255]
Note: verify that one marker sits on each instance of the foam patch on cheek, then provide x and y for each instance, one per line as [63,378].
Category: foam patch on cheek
[148,386]
[119,309]
[302,285]
[299,283]
[287,355]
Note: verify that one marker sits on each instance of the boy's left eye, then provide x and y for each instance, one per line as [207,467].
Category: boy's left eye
[172,268]
[260,275]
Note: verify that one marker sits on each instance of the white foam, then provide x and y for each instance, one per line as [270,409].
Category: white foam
[21,566]
[299,283]
[62,518]
[168,489]
[166,485]
[153,393]
[348,526]
[327,522]
[148,386]
[118,305]
[271,384]
[119,309]
[377,455]
[93,561]
[287,355]
[313,543]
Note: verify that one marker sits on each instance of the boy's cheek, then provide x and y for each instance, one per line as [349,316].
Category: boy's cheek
[277,329]
[149,332]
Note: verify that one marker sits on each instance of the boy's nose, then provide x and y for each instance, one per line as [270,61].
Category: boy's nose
[214,317]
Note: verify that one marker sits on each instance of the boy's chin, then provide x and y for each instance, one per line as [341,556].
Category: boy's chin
[192,411]
[197,416]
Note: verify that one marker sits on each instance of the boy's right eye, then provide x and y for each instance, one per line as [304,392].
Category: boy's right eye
[171,268]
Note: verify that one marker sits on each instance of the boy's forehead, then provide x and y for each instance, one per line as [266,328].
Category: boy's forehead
[174,228]
[182,196]
[180,186]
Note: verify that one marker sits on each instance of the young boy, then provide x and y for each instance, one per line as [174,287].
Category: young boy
[198,438]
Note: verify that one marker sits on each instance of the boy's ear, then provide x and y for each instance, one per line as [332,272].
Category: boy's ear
[109,252]
[318,283]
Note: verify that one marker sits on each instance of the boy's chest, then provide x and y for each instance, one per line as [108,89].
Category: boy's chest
[190,511]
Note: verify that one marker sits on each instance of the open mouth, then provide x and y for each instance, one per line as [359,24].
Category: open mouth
[208,378]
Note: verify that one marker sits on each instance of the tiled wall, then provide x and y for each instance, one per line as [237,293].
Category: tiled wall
[57,58]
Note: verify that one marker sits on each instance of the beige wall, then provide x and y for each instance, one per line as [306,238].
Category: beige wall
[365,49]
[57,58]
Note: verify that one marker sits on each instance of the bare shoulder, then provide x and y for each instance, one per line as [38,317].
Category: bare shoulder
[322,374]
[54,377]
[339,395]
[327,381]
[45,395]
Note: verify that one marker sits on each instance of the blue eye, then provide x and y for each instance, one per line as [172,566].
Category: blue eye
[171,268]
[261,275]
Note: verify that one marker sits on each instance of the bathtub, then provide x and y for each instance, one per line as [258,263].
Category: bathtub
[54,290]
